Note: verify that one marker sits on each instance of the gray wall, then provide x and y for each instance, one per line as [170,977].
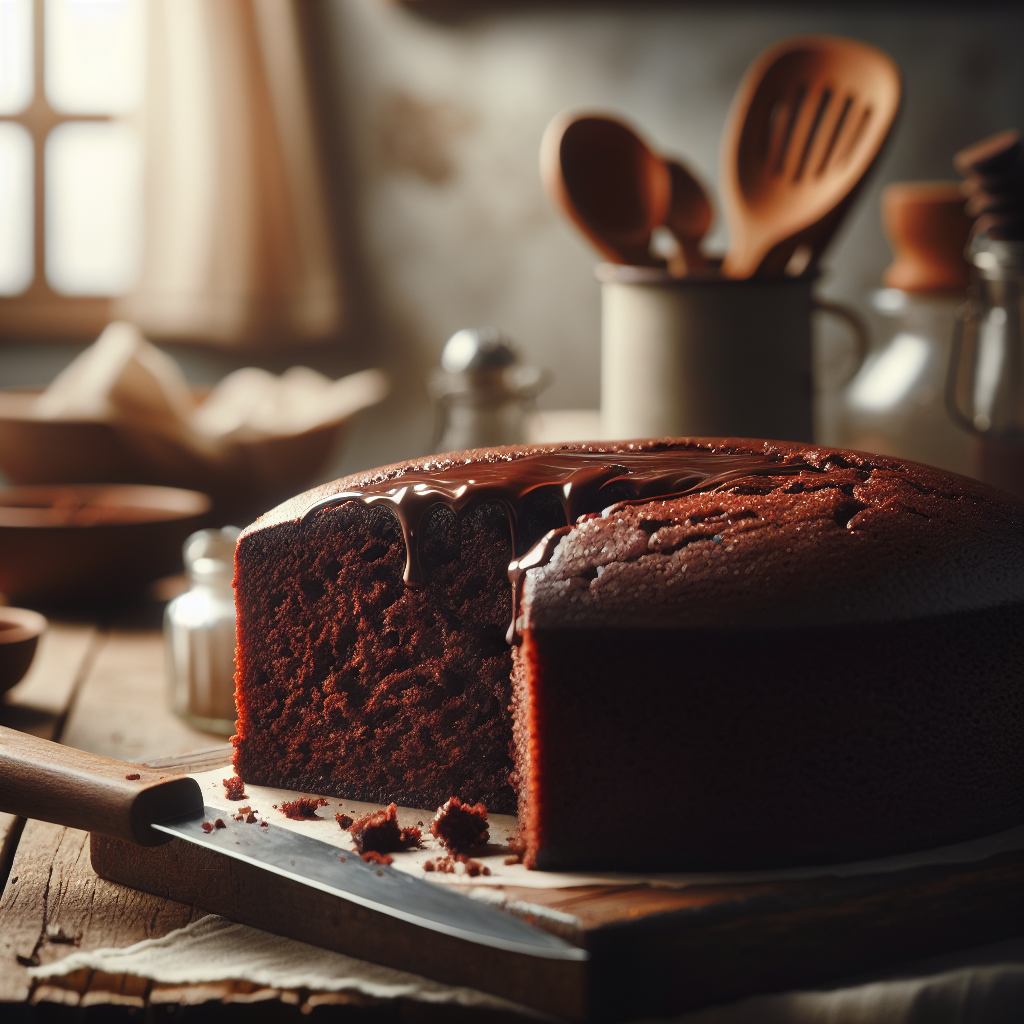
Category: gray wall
[445,120]
[432,131]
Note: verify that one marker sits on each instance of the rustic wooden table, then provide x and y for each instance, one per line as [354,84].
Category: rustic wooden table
[102,688]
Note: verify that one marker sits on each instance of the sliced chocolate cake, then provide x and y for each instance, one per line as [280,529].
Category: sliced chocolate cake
[802,654]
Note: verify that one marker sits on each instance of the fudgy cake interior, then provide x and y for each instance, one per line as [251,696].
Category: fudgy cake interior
[353,683]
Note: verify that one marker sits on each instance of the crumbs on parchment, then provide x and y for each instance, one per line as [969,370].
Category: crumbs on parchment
[379,831]
[303,809]
[448,865]
[235,788]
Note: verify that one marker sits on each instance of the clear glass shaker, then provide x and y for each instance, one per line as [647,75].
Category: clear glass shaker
[482,394]
[985,386]
[199,634]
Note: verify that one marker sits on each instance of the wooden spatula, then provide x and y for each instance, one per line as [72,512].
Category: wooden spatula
[608,182]
[807,123]
[688,218]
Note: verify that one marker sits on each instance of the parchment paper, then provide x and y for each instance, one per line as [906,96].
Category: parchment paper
[502,826]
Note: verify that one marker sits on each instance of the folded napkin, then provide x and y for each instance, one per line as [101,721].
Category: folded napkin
[982,986]
[123,380]
[214,949]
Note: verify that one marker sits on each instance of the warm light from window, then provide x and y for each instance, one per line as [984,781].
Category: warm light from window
[93,208]
[92,70]
[16,208]
[94,56]
[15,55]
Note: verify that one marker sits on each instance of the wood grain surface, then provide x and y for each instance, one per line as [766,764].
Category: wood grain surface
[653,951]
[101,691]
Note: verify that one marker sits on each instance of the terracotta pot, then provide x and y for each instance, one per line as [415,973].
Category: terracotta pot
[20,630]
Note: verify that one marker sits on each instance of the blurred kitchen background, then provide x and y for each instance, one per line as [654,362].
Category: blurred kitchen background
[343,184]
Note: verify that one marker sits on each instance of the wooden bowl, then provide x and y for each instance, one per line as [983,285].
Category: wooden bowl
[71,542]
[20,630]
[255,476]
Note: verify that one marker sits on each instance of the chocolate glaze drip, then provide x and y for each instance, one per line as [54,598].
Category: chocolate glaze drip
[579,480]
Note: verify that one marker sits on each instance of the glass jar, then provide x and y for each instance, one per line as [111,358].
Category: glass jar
[985,389]
[199,634]
[896,404]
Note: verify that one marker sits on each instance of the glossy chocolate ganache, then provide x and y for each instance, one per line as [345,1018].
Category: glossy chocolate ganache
[581,482]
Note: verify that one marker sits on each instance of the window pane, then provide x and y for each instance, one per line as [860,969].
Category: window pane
[93,208]
[16,212]
[15,55]
[94,55]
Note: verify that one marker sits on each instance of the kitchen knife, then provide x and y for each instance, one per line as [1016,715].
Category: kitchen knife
[51,782]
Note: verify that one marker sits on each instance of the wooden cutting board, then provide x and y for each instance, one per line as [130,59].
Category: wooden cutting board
[652,950]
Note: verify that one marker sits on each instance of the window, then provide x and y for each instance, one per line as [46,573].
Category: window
[71,91]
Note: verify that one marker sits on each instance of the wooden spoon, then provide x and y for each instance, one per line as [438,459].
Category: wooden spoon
[604,177]
[808,122]
[688,218]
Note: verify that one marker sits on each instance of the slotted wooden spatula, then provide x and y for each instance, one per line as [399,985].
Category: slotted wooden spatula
[807,123]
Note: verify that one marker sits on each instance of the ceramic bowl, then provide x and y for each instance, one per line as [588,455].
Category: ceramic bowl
[257,476]
[72,542]
[20,630]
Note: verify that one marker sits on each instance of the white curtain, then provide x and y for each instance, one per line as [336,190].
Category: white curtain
[237,241]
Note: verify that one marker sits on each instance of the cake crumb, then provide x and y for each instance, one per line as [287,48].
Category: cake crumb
[379,832]
[235,788]
[344,820]
[460,827]
[209,826]
[517,846]
[376,857]
[134,777]
[303,809]
[449,864]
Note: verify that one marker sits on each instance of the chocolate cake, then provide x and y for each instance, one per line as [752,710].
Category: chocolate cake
[779,653]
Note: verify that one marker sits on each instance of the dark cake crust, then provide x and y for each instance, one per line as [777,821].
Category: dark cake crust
[797,669]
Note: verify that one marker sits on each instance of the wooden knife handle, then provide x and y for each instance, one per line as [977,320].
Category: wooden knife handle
[40,779]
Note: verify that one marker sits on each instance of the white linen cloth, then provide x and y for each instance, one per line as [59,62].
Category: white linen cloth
[979,986]
[123,380]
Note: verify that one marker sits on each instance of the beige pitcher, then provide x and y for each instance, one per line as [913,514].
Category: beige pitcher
[709,356]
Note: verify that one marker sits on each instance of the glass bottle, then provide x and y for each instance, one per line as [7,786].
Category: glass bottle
[896,404]
[199,634]
[985,387]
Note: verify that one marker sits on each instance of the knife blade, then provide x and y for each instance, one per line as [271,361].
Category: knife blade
[51,782]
